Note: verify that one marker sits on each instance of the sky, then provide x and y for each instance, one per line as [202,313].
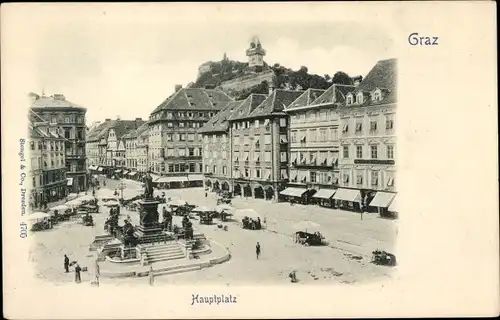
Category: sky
[119,61]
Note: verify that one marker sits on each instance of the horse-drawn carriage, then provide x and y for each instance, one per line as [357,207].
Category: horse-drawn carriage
[250,219]
[40,221]
[90,208]
[383,258]
[308,234]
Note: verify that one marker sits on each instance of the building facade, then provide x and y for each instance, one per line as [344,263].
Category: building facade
[314,140]
[174,144]
[216,149]
[259,144]
[47,164]
[108,146]
[70,119]
[368,140]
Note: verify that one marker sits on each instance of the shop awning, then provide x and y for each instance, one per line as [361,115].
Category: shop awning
[382,199]
[195,177]
[155,177]
[171,179]
[324,193]
[287,192]
[298,192]
[394,206]
[100,169]
[132,173]
[118,171]
[347,195]
[92,167]
[125,172]
[294,192]
[70,181]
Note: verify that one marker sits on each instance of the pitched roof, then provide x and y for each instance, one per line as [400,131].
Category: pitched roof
[335,93]
[135,133]
[382,76]
[275,103]
[195,99]
[219,122]
[55,101]
[306,98]
[247,106]
[121,127]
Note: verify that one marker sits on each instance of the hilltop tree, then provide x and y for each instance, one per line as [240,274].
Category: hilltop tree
[341,77]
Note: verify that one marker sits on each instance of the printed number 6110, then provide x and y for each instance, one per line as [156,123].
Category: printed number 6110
[23,231]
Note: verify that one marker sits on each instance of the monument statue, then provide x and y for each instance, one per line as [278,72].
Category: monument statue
[148,186]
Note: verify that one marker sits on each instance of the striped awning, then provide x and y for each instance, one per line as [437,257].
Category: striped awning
[347,195]
[382,199]
[324,193]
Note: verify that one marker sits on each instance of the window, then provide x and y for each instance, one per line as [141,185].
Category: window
[390,152]
[345,176]
[390,182]
[169,115]
[293,136]
[374,178]
[359,152]
[322,135]
[359,98]
[283,138]
[349,99]
[246,140]
[312,176]
[169,137]
[359,127]
[246,172]
[224,154]
[345,152]
[267,139]
[311,116]
[200,114]
[182,137]
[376,96]
[373,126]
[206,169]
[359,178]
[374,151]
[345,128]
[267,156]
[257,173]
[282,122]
[211,114]
[283,156]
[182,152]
[191,137]
[191,152]
[389,124]
[170,125]
[181,124]
[235,156]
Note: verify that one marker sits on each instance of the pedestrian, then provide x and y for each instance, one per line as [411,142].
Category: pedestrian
[151,276]
[78,271]
[206,194]
[66,263]
[257,250]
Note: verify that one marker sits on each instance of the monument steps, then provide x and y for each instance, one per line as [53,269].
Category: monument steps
[164,252]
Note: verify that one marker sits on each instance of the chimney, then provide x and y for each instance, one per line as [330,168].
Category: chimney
[138,119]
[106,120]
[58,96]
[178,87]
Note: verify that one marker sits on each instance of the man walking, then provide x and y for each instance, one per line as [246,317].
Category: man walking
[66,263]
[257,250]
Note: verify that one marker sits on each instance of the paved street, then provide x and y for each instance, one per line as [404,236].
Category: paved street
[346,232]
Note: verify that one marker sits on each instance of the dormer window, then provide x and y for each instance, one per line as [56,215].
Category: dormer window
[359,98]
[377,95]
[349,99]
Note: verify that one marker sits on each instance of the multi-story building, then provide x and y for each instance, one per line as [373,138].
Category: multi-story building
[216,149]
[314,143]
[367,140]
[91,149]
[259,144]
[174,141]
[70,119]
[47,168]
[142,150]
[132,150]
[107,141]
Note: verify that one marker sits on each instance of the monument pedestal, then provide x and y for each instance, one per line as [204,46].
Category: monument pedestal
[149,229]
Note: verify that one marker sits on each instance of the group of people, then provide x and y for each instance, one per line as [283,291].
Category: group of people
[250,223]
